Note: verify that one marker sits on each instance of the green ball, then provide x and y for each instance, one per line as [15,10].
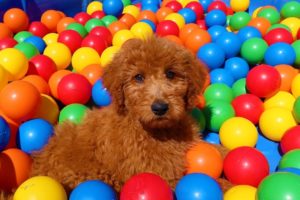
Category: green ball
[218,91]
[199,116]
[270,14]
[108,19]
[253,50]
[239,20]
[216,113]
[296,109]
[290,9]
[78,28]
[126,2]
[92,23]
[28,49]
[73,112]
[290,160]
[228,18]
[21,36]
[279,186]
[296,47]
[239,87]
[279,26]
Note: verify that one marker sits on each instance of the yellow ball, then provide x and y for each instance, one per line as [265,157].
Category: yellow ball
[281,99]
[238,131]
[50,38]
[133,10]
[60,54]
[47,109]
[255,12]
[40,187]
[240,192]
[274,122]
[293,23]
[94,6]
[14,63]
[177,18]
[239,5]
[108,54]
[83,57]
[122,36]
[141,30]
[185,2]
[295,87]
[3,77]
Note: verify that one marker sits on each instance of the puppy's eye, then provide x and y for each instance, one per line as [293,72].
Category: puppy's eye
[170,74]
[139,78]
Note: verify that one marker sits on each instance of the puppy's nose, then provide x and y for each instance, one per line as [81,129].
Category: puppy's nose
[159,108]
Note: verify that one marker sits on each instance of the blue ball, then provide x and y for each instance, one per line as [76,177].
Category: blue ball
[280,53]
[34,134]
[212,55]
[216,31]
[215,17]
[100,94]
[198,186]
[93,190]
[291,170]
[4,133]
[205,4]
[238,67]
[221,75]
[188,14]
[36,41]
[113,7]
[151,23]
[150,7]
[212,138]
[248,32]
[230,43]
[151,2]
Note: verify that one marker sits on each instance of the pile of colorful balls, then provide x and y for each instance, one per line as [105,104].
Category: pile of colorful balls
[50,71]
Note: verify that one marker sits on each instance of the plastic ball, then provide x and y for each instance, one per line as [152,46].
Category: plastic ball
[230,43]
[79,28]
[83,17]
[211,54]
[238,192]
[109,19]
[204,158]
[245,166]
[73,113]
[293,24]
[239,5]
[38,29]
[116,26]
[274,122]
[280,53]
[93,190]
[132,10]
[29,50]
[54,80]
[102,32]
[270,14]
[92,73]
[239,20]
[162,12]
[278,35]
[295,86]
[3,77]
[149,22]
[38,82]
[41,65]
[296,47]
[5,31]
[290,160]
[100,95]
[221,75]
[72,39]
[37,42]
[108,54]
[141,30]
[92,23]
[290,140]
[40,187]
[215,17]
[212,138]
[263,75]
[63,23]
[167,27]
[262,24]
[98,14]
[148,185]
[198,186]
[60,54]
[94,42]
[296,109]
[239,87]
[287,74]
[4,134]
[253,50]
[94,6]
[50,38]
[47,109]
[248,32]
[147,14]
[16,19]
[237,66]
[281,99]
[218,91]
[7,43]
[83,57]
[290,9]
[217,5]
[22,35]
[216,31]
[14,169]
[174,5]
[51,18]
[113,7]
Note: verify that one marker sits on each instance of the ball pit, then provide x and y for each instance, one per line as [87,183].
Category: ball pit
[251,49]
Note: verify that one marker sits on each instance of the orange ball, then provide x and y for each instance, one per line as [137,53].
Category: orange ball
[63,23]
[128,19]
[16,19]
[51,18]
[47,109]
[162,12]
[116,26]
[147,14]
[38,82]
[55,79]
[19,100]
[287,74]
[15,166]
[164,3]
[92,73]
[262,24]
[174,38]
[5,31]
[204,158]
[186,30]
[197,39]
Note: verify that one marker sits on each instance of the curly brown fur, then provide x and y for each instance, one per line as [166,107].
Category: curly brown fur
[126,138]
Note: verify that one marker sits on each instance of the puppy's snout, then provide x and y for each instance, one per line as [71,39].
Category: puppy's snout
[159,108]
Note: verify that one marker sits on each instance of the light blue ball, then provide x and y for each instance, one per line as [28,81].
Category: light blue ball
[100,94]
[230,43]
[212,55]
[248,32]
[221,75]
[215,17]
[38,42]
[205,4]
[4,133]
[215,31]
[113,7]
[188,14]
[150,7]
[280,53]
[238,67]
[212,138]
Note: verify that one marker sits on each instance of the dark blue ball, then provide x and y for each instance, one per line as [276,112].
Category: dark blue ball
[4,133]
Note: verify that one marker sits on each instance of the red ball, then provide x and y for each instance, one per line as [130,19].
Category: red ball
[74,88]
[197,8]
[201,23]
[72,39]
[95,42]
[98,14]
[245,166]
[174,5]
[298,34]
[7,43]
[248,106]
[217,5]
[278,35]
[290,139]
[263,81]
[229,11]
[167,27]
[38,29]
[146,186]
[82,17]
[102,32]
[42,65]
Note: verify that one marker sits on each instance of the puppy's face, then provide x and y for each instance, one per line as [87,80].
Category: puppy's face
[158,80]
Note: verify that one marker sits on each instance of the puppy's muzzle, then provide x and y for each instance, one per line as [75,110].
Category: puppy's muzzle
[159,108]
